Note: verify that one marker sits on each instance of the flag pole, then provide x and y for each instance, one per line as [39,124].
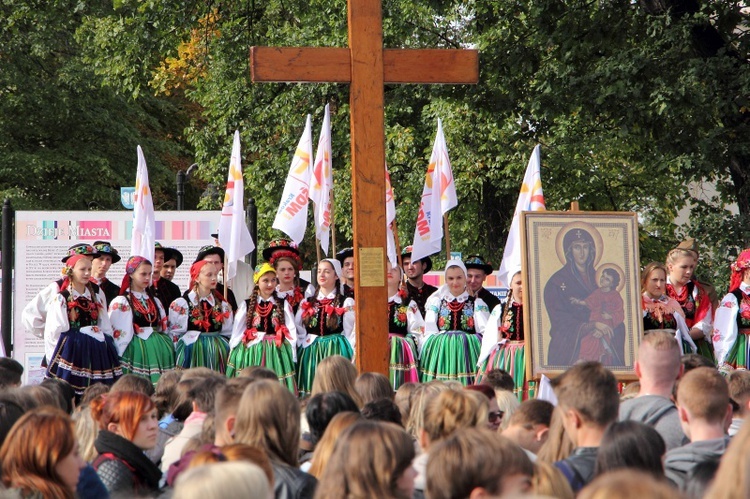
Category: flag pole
[317,249]
[333,224]
[394,228]
[447,237]
[226,265]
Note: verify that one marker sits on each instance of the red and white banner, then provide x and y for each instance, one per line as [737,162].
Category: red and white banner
[322,184]
[144,220]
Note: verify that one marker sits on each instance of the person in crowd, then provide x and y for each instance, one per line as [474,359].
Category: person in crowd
[284,256]
[416,289]
[588,400]
[499,380]
[418,401]
[454,322]
[165,395]
[264,332]
[11,372]
[371,459]
[139,324]
[256,373]
[77,332]
[133,383]
[628,484]
[732,480]
[320,410]
[332,434]
[476,463]
[325,324]
[494,414]
[559,445]
[405,332]
[40,458]
[701,478]
[164,289]
[346,259]
[477,270]
[336,374]
[631,445]
[202,320]
[215,255]
[503,344]
[548,481]
[444,414]
[659,310]
[128,425]
[703,405]
[372,387]
[658,368]
[692,297]
[402,398]
[202,394]
[269,418]
[222,480]
[170,266]
[106,256]
[383,410]
[739,393]
[732,320]
[529,426]
[34,315]
[10,412]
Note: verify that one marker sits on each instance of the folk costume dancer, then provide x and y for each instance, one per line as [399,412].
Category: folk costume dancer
[139,324]
[405,332]
[660,311]
[454,322]
[106,257]
[416,288]
[202,320]
[264,332]
[692,297]
[325,324]
[732,320]
[285,258]
[503,345]
[77,333]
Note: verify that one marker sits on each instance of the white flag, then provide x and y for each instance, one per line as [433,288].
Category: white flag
[390,219]
[234,235]
[531,198]
[291,216]
[438,197]
[322,183]
[144,222]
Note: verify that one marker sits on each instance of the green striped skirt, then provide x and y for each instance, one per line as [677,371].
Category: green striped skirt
[403,367]
[706,349]
[310,357]
[150,358]
[450,356]
[738,355]
[265,354]
[511,358]
[210,350]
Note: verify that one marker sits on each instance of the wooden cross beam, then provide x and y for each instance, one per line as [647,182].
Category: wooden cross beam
[366,66]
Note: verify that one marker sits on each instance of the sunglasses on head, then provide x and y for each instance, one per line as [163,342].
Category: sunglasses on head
[496,416]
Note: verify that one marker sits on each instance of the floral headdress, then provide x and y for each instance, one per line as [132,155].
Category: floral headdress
[738,268]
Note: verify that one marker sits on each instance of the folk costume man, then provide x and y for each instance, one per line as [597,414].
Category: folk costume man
[106,257]
[346,257]
[416,288]
[477,270]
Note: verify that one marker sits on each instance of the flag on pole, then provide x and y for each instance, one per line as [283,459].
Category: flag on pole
[322,183]
[234,235]
[291,217]
[390,219]
[438,197]
[144,221]
[531,198]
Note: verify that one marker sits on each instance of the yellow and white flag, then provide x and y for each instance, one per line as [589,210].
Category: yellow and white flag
[438,197]
[531,198]
[390,219]
[144,221]
[291,217]
[322,184]
[234,235]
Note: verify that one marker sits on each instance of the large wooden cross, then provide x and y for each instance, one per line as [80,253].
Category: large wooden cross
[366,66]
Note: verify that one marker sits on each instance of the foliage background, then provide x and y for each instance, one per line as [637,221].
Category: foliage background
[633,102]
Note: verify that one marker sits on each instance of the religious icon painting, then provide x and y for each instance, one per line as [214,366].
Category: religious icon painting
[581,286]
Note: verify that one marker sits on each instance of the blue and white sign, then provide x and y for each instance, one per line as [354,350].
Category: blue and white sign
[127,197]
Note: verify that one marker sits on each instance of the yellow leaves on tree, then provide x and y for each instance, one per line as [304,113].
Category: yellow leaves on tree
[191,63]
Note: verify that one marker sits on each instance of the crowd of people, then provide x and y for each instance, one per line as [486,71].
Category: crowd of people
[251,391]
